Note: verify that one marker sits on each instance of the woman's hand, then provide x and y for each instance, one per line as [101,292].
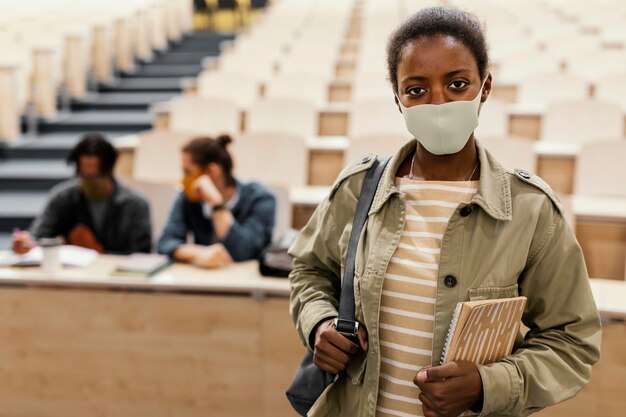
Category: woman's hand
[213,256]
[332,352]
[450,389]
[207,190]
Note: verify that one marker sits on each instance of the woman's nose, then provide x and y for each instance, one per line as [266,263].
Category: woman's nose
[437,96]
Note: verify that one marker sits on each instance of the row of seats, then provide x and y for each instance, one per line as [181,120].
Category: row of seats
[56,48]
[276,100]
[282,118]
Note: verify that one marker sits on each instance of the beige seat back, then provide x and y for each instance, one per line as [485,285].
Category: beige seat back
[283,116]
[205,116]
[600,169]
[582,121]
[271,159]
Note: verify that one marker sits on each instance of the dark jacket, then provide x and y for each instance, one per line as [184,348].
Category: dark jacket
[249,234]
[127,228]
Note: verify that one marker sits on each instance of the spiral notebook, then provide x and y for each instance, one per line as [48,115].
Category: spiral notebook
[483,331]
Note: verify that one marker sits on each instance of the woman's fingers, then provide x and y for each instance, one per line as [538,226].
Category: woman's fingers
[328,362]
[363,338]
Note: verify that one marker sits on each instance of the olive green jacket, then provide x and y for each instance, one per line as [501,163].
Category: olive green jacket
[510,240]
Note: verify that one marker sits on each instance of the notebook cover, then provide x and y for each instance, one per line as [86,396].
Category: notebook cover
[483,331]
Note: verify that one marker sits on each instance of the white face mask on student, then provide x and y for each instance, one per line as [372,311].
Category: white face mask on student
[443,129]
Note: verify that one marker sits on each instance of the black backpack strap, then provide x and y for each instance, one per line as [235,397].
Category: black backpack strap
[346,322]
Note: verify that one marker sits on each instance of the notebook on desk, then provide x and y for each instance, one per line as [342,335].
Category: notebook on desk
[72,256]
[483,331]
[142,264]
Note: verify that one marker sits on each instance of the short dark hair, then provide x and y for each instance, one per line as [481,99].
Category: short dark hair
[206,150]
[431,21]
[95,144]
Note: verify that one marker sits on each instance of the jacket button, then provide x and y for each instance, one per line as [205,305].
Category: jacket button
[449,281]
[366,159]
[466,211]
[524,174]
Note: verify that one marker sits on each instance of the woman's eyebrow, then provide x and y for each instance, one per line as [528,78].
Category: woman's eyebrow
[457,72]
[414,78]
[447,75]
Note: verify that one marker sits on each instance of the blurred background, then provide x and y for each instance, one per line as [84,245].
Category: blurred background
[301,87]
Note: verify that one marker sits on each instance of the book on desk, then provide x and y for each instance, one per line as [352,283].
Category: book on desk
[142,265]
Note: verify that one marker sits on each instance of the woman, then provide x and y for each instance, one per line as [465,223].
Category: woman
[448,224]
[230,220]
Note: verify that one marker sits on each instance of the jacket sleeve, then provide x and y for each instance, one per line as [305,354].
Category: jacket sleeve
[49,223]
[140,235]
[246,239]
[175,230]
[315,278]
[554,361]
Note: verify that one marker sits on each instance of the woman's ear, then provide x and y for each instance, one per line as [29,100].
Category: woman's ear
[486,89]
[211,169]
[397,101]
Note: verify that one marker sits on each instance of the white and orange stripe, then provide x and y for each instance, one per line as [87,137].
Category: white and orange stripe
[409,292]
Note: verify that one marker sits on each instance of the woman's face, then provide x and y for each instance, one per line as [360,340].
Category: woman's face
[189,167]
[214,171]
[436,70]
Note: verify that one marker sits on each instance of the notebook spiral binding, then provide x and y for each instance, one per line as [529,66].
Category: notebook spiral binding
[446,345]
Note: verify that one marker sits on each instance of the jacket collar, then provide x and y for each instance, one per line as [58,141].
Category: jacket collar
[494,191]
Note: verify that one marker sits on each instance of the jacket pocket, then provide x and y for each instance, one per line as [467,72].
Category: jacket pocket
[490,293]
[356,368]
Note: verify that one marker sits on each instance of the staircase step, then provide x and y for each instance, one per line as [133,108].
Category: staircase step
[50,146]
[166,71]
[121,101]
[180,58]
[33,174]
[96,121]
[19,208]
[145,85]
[6,240]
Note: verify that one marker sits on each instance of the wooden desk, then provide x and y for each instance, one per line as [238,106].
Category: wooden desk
[189,342]
[601,232]
[186,342]
[525,119]
[604,394]
[304,201]
[556,164]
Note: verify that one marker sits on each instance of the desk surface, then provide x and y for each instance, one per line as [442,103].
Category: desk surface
[595,208]
[239,278]
[610,296]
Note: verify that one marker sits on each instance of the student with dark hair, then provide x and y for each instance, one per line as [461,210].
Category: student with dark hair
[92,210]
[230,220]
[448,224]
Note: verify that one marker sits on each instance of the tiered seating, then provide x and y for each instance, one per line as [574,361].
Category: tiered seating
[32,161]
[56,47]
[315,72]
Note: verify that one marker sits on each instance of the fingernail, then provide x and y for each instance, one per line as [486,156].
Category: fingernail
[422,376]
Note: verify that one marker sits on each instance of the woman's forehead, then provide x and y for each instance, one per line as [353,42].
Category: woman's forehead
[434,56]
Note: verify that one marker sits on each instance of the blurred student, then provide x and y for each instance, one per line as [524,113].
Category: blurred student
[92,210]
[230,220]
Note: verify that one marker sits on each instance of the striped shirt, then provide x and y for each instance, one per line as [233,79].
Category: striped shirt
[409,288]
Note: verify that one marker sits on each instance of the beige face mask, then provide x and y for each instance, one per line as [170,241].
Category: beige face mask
[443,129]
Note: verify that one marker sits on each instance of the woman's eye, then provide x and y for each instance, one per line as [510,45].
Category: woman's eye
[415,91]
[457,85]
